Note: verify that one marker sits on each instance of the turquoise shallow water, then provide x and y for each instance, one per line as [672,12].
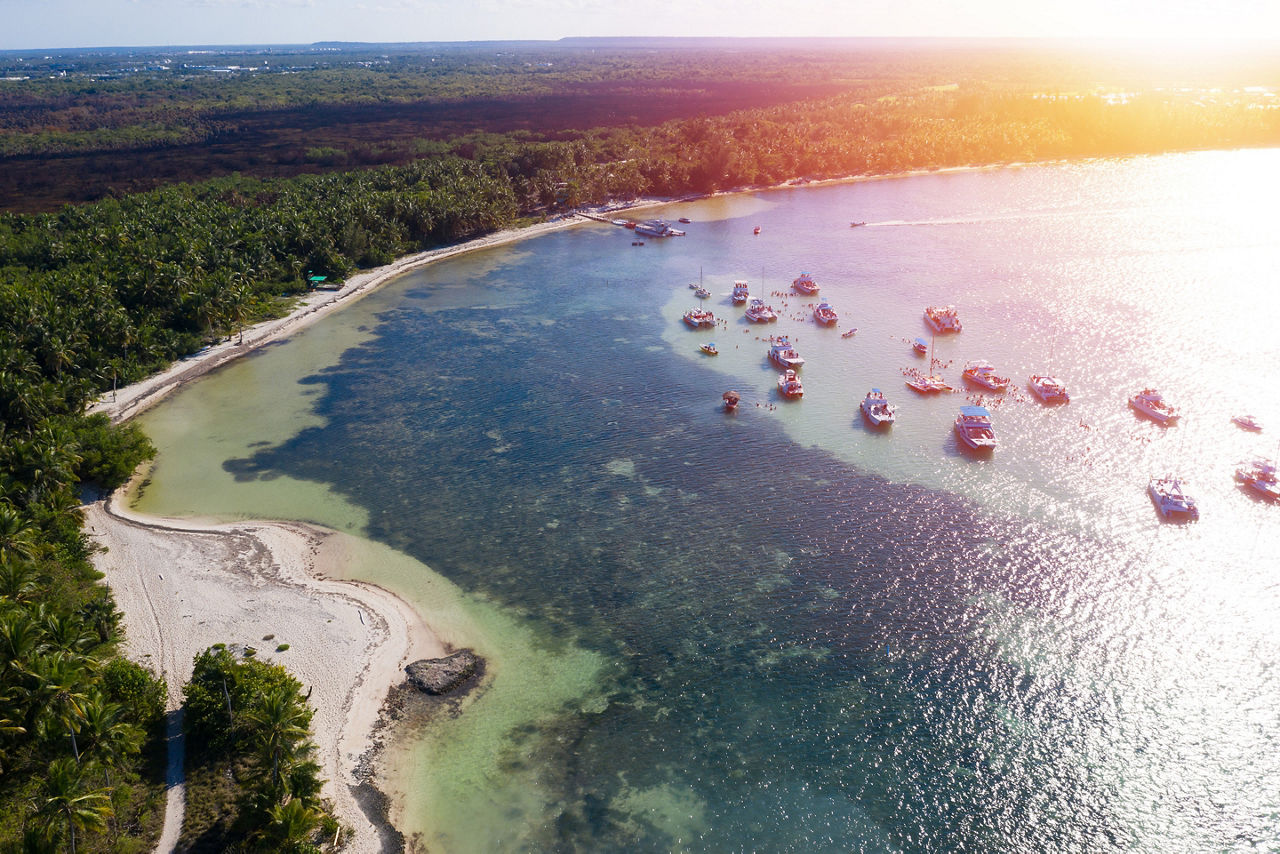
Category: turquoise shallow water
[780,630]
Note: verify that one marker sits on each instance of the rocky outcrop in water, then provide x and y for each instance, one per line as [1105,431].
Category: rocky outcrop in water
[442,675]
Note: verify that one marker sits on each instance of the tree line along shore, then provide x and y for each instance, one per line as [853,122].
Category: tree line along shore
[99,295]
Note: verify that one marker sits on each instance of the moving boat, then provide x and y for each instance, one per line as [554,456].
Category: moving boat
[789,384]
[758,312]
[805,284]
[782,354]
[1152,404]
[850,332]
[699,317]
[856,224]
[984,374]
[684,220]
[741,293]
[1248,422]
[878,410]
[1048,389]
[927,385]
[710,349]
[973,427]
[1166,493]
[920,345]
[943,318]
[1260,476]
[756,230]
[825,314]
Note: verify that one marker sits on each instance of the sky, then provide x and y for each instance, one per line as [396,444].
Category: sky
[33,24]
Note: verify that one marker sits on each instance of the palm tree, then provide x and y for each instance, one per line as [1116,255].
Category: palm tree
[281,727]
[59,692]
[106,734]
[64,802]
[289,826]
[17,535]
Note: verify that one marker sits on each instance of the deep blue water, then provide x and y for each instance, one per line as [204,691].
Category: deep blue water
[823,638]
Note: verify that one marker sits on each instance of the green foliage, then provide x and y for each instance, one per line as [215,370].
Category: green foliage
[108,452]
[133,686]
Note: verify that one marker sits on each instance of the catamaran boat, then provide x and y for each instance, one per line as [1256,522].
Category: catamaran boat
[927,384]
[1048,389]
[805,284]
[825,314]
[782,354]
[878,410]
[984,374]
[740,293]
[973,427]
[789,384]
[942,318]
[1166,493]
[699,317]
[758,312]
[1152,404]
[1260,476]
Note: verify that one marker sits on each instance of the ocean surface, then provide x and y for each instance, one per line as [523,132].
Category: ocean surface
[780,630]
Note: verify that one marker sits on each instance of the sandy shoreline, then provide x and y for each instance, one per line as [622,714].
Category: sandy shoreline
[185,585]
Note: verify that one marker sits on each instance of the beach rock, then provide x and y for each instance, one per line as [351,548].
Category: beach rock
[442,675]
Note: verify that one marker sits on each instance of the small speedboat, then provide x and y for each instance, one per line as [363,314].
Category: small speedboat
[920,345]
[1247,422]
[850,332]
[805,284]
[730,399]
[878,410]
[789,384]
[756,230]
[702,293]
[983,374]
[710,349]
[1152,404]
[1048,389]
[782,354]
[973,427]
[684,220]
[1260,476]
[824,314]
[856,224]
[699,317]
[1167,494]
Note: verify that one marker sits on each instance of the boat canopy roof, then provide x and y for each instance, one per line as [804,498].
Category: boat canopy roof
[975,411]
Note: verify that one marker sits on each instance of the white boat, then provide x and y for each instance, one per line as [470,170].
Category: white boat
[878,410]
[942,318]
[710,349]
[741,293]
[782,354]
[920,345]
[621,222]
[973,427]
[1152,404]
[927,384]
[850,332]
[657,228]
[984,374]
[1248,422]
[1048,389]
[825,314]
[789,384]
[1166,493]
[1260,476]
[805,284]
[699,317]
[758,312]
[702,293]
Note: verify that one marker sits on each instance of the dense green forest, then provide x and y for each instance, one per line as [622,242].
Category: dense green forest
[104,293]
